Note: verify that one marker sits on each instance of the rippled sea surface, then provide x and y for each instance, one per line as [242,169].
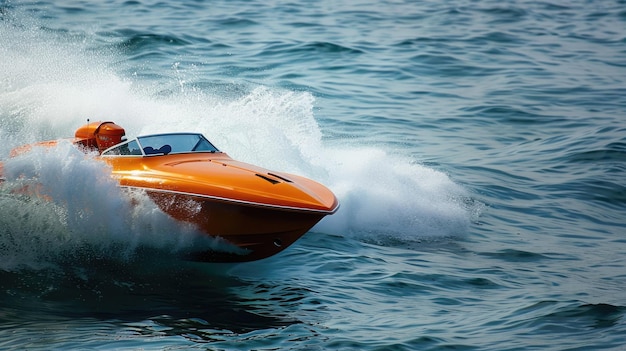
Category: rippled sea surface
[478,149]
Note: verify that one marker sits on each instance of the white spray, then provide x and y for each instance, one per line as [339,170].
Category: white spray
[52,88]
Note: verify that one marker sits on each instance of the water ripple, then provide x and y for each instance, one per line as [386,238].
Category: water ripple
[519,103]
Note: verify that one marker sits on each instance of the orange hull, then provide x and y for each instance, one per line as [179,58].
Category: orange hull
[257,210]
[260,211]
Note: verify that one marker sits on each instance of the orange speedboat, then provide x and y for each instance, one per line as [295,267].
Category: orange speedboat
[260,211]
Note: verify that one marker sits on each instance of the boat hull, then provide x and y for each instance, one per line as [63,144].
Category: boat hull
[259,211]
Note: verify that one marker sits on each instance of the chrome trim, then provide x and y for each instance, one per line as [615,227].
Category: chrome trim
[240,202]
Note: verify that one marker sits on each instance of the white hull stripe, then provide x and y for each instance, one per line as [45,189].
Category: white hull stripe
[240,202]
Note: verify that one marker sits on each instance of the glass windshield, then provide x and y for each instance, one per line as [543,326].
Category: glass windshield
[128,148]
[163,144]
[175,143]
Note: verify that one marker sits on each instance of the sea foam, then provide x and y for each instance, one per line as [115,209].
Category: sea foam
[54,84]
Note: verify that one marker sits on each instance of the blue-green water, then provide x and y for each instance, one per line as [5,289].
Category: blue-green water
[478,150]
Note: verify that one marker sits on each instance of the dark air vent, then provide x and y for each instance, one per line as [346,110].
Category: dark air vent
[281,178]
[273,181]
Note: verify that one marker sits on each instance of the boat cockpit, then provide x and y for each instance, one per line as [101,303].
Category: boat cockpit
[162,144]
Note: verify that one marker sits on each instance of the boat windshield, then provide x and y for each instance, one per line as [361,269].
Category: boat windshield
[163,144]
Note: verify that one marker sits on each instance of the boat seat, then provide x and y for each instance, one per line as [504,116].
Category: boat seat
[165,149]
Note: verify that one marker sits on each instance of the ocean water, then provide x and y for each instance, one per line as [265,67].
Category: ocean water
[478,149]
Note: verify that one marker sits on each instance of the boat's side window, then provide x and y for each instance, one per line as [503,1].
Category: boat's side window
[133,148]
[130,148]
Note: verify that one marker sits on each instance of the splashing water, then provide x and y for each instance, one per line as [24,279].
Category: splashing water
[60,204]
[53,86]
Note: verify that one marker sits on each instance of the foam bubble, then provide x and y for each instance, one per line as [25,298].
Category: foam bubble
[389,196]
